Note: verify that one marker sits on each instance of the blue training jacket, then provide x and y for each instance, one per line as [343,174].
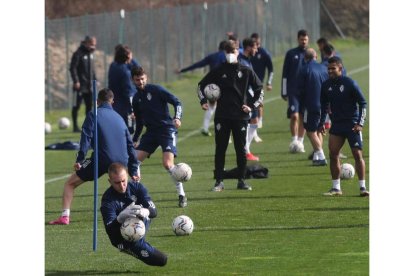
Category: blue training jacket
[114,140]
[113,203]
[212,60]
[262,61]
[310,80]
[120,82]
[151,109]
[294,60]
[344,99]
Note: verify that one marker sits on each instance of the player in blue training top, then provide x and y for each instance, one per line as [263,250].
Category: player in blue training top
[310,80]
[150,106]
[261,62]
[128,199]
[249,50]
[212,60]
[114,145]
[119,81]
[342,96]
[294,61]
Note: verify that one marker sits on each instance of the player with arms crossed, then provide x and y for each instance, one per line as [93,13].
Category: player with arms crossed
[150,105]
[233,108]
[347,104]
[128,199]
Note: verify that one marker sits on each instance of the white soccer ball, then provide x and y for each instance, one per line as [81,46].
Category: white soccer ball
[347,171]
[48,128]
[182,225]
[64,123]
[181,172]
[133,229]
[212,92]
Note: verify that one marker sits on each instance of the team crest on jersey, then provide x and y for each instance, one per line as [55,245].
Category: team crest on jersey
[149,96]
[341,88]
[224,76]
[259,56]
[296,57]
[330,89]
[239,74]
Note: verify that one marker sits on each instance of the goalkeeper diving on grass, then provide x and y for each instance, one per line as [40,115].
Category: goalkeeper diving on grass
[129,199]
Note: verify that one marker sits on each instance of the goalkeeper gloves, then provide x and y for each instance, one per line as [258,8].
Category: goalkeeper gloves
[128,212]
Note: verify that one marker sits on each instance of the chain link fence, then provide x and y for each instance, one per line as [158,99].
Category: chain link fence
[166,39]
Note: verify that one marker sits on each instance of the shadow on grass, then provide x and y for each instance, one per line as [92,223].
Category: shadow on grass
[90,272]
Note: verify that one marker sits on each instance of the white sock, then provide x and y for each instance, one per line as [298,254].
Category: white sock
[66,213]
[294,138]
[362,183]
[320,154]
[251,131]
[207,116]
[300,139]
[178,185]
[336,184]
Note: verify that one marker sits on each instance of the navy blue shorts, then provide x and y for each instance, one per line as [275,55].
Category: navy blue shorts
[293,104]
[254,113]
[167,139]
[86,172]
[345,130]
[311,120]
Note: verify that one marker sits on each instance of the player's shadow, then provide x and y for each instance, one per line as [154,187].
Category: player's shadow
[91,272]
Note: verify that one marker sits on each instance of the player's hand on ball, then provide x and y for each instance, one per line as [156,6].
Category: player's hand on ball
[129,212]
[143,213]
[246,108]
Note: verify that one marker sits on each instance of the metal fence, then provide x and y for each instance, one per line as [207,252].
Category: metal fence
[166,39]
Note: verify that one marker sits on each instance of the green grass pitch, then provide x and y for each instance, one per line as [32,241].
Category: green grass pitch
[284,226]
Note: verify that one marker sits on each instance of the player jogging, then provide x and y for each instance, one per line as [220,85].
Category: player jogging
[150,105]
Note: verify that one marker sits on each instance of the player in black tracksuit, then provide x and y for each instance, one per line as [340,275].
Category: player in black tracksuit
[82,72]
[233,108]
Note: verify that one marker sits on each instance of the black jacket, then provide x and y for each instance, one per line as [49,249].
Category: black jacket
[82,68]
[234,81]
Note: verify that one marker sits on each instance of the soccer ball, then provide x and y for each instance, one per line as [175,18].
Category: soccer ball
[296,147]
[181,172]
[182,225]
[347,171]
[63,123]
[48,128]
[212,92]
[133,229]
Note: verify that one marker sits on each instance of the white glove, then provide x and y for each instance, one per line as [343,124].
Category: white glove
[129,212]
[143,213]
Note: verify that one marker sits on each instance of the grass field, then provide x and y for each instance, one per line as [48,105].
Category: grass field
[284,226]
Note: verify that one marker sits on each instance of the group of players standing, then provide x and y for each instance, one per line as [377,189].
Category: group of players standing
[313,92]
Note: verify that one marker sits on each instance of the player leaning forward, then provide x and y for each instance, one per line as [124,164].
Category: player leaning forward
[342,96]
[128,199]
[233,110]
[150,105]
